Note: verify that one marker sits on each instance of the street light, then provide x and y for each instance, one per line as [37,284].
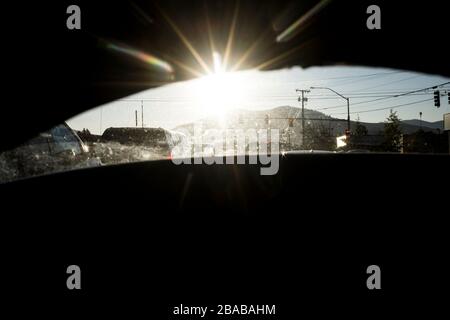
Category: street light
[340,95]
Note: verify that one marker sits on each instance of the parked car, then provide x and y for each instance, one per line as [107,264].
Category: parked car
[161,139]
[57,149]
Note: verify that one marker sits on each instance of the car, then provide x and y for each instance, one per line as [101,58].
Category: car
[156,142]
[57,149]
[149,137]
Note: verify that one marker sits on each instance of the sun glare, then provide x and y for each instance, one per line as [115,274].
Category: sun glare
[220,92]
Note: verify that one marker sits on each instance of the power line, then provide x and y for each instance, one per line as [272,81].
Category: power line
[386,108]
[347,77]
[280,97]
[384,98]
[395,81]
[371,78]
[351,94]
[365,96]
[367,75]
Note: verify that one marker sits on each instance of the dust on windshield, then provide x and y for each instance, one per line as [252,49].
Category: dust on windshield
[326,109]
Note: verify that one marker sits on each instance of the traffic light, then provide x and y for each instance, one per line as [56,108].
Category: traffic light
[437,99]
[448,95]
[291,122]
[347,133]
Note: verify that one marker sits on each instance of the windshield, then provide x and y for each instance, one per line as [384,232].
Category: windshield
[321,109]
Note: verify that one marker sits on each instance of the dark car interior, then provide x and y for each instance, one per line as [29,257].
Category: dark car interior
[152,235]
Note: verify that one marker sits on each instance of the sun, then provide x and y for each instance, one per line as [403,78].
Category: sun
[220,92]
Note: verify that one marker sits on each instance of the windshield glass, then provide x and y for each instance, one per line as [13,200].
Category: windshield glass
[333,109]
[320,109]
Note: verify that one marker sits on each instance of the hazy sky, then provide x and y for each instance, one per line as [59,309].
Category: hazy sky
[183,102]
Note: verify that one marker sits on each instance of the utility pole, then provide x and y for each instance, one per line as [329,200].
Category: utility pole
[142,113]
[101,119]
[136,117]
[303,99]
[420,115]
[348,114]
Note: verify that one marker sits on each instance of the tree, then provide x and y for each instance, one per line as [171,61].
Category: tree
[318,137]
[361,129]
[392,133]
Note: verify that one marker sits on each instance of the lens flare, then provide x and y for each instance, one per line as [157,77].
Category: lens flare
[144,57]
[217,63]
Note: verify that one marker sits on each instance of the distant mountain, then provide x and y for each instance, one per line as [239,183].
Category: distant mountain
[244,119]
[407,126]
[434,125]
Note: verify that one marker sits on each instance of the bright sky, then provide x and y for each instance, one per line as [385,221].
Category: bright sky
[184,102]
